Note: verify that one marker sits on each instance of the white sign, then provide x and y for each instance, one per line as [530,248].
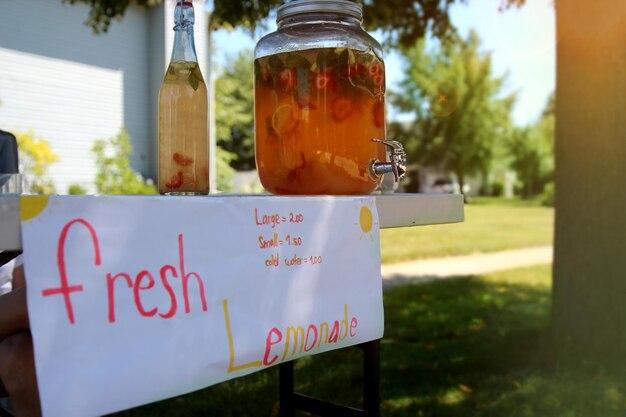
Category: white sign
[137,299]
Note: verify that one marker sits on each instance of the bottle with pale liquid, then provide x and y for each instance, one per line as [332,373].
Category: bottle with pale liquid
[183,115]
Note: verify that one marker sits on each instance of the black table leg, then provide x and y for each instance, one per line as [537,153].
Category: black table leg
[285,371]
[371,378]
[291,401]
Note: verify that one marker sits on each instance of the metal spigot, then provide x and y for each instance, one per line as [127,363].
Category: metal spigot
[396,163]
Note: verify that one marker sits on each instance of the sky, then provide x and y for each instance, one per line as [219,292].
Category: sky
[521,41]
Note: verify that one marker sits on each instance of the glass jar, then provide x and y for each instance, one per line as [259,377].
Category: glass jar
[320,103]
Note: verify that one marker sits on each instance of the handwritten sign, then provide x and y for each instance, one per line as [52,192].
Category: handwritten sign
[134,299]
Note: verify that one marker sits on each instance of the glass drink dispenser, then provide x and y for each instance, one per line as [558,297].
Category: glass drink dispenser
[320,103]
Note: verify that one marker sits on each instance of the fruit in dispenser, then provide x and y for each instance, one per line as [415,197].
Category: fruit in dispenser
[324,80]
[317,113]
[285,119]
[341,108]
[176,181]
[182,160]
[379,114]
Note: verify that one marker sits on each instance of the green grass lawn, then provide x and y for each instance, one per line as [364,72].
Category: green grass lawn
[490,225]
[470,347]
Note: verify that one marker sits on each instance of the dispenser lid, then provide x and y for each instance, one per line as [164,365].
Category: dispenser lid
[345,7]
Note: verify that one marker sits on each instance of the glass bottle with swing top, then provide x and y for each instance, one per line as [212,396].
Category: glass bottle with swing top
[183,144]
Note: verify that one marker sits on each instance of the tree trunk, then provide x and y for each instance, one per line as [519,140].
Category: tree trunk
[589,295]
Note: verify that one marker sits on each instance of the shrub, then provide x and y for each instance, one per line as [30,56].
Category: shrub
[532,151]
[547,198]
[76,189]
[36,156]
[114,173]
[225,173]
[497,189]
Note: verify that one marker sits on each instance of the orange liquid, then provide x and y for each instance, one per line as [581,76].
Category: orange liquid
[183,131]
[317,113]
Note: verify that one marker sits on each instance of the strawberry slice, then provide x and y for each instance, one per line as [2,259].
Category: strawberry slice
[379,114]
[324,80]
[375,69]
[379,80]
[341,108]
[182,160]
[176,181]
[287,79]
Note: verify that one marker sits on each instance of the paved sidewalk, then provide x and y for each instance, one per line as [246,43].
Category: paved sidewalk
[481,263]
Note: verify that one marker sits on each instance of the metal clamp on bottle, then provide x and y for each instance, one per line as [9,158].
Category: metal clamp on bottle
[396,163]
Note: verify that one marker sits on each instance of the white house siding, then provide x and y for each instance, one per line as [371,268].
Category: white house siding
[157,50]
[68,103]
[53,38]
[72,87]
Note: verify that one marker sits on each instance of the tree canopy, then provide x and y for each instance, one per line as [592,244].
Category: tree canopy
[532,152]
[460,111]
[234,110]
[404,21]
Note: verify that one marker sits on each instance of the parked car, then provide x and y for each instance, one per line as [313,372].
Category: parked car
[444,186]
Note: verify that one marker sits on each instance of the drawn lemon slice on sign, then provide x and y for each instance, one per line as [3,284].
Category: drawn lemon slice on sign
[32,206]
[366,221]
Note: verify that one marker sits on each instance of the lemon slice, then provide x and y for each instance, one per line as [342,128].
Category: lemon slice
[284,119]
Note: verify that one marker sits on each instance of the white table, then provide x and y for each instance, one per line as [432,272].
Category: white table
[394,210]
[397,210]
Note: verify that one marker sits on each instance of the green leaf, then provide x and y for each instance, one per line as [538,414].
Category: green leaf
[193,80]
[295,60]
[327,59]
[276,64]
[303,92]
[344,57]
